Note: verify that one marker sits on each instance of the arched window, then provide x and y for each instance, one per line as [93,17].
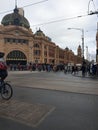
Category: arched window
[16,57]
[16,54]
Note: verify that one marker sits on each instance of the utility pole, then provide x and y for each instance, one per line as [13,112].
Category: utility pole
[92,13]
[15,3]
[87,52]
[82,30]
[97,45]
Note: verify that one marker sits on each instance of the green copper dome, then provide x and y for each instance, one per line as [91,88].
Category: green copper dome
[15,19]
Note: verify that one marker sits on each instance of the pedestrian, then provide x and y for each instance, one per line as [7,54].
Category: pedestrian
[73,70]
[83,70]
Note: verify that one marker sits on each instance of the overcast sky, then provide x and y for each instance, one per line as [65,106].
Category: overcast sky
[54,17]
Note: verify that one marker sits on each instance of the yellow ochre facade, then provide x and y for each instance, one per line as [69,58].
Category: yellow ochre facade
[22,46]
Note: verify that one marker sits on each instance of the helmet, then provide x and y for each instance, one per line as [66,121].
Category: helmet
[1,54]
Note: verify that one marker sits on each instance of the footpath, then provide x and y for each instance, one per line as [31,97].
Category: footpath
[43,109]
[79,74]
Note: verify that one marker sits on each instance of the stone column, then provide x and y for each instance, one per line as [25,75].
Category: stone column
[47,54]
[42,56]
[31,53]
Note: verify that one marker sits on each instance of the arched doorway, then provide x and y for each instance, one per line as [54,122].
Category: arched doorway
[16,57]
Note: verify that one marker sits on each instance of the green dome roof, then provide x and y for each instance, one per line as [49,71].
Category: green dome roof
[39,33]
[15,19]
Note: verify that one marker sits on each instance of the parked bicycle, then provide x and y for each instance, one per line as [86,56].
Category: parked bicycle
[5,90]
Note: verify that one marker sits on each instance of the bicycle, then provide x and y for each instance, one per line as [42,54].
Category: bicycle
[5,90]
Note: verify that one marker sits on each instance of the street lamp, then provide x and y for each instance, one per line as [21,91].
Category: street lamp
[82,30]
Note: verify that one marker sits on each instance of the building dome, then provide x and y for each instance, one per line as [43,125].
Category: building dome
[67,49]
[39,33]
[15,19]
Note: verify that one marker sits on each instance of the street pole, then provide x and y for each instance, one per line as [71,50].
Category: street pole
[86,52]
[82,30]
[83,44]
[97,45]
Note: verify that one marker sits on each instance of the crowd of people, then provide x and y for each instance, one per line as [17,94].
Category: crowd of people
[36,67]
[90,69]
[86,69]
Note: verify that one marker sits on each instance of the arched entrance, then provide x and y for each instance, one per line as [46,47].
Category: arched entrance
[16,57]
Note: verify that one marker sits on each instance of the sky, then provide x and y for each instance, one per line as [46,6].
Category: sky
[54,17]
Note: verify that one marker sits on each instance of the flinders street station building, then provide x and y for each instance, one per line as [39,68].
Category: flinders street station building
[22,46]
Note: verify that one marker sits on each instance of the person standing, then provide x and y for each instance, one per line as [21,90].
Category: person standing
[83,68]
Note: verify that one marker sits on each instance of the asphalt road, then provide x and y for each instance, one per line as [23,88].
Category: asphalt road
[68,109]
[55,81]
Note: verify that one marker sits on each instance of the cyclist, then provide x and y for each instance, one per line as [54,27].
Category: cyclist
[3,67]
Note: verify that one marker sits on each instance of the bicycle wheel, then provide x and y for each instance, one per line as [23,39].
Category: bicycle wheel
[6,91]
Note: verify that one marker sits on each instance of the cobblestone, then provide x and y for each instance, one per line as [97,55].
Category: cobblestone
[27,113]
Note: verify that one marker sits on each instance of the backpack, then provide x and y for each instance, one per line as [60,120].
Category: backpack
[3,66]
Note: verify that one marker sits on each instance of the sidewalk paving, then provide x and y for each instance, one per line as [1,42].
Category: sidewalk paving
[35,107]
[79,74]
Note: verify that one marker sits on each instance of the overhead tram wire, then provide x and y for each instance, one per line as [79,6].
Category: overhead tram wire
[35,3]
[25,6]
[60,20]
[4,12]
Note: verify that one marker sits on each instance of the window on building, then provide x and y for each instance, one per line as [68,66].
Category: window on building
[16,55]
[37,52]
[13,40]
[36,45]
